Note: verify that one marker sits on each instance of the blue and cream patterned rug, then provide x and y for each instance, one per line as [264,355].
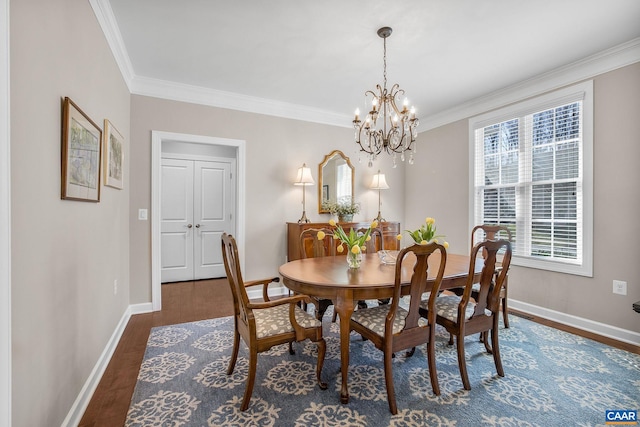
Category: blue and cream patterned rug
[553,378]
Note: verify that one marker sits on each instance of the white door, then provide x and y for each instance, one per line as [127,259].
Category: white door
[197,206]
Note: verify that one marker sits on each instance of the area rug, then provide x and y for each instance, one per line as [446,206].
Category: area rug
[553,378]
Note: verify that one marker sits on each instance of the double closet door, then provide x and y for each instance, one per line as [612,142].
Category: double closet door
[197,206]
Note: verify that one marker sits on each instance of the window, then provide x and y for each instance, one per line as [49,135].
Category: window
[533,172]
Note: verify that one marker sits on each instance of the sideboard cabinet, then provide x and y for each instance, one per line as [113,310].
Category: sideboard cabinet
[390,230]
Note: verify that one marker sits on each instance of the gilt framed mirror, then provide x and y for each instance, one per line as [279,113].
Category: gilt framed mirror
[336,175]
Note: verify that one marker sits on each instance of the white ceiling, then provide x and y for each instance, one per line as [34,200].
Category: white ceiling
[321,56]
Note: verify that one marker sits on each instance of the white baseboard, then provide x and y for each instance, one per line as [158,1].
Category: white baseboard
[602,329]
[82,401]
[146,307]
[274,291]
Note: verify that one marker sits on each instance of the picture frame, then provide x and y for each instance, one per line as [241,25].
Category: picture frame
[113,165]
[81,155]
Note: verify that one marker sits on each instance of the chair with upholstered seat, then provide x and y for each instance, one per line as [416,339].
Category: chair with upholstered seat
[494,232]
[463,315]
[265,324]
[392,328]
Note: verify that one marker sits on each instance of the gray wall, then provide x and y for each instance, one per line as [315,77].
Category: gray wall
[276,148]
[65,254]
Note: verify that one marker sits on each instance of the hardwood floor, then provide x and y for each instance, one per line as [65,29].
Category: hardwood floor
[188,302]
[181,302]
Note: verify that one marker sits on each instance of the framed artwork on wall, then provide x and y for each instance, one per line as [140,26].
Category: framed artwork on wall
[113,156]
[81,154]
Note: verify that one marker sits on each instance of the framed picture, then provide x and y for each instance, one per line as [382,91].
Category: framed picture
[81,154]
[113,156]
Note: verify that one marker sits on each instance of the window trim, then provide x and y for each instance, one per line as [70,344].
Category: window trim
[582,91]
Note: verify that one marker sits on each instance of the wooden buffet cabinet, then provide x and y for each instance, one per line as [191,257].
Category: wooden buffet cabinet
[390,230]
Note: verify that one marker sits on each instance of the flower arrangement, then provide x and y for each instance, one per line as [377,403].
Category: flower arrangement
[354,242]
[341,208]
[426,233]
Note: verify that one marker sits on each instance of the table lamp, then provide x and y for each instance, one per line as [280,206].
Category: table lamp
[379,182]
[304,178]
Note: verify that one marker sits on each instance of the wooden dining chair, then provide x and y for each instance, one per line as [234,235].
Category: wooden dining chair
[312,247]
[392,328]
[463,315]
[373,245]
[265,324]
[494,232]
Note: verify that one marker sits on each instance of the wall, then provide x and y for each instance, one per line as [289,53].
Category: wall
[444,182]
[276,148]
[65,254]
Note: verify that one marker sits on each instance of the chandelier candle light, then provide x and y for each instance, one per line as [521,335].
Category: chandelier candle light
[304,178]
[396,133]
[379,182]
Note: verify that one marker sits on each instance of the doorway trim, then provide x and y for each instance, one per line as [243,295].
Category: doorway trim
[5,219]
[157,137]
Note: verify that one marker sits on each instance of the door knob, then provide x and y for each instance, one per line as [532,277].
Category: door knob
[197,225]
[189,225]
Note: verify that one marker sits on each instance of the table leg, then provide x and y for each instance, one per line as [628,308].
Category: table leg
[344,307]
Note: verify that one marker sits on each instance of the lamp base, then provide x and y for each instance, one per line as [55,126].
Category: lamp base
[304,218]
[379,218]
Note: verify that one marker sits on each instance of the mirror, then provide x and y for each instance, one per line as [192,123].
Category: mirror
[336,176]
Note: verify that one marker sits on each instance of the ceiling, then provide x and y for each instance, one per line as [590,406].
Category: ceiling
[321,56]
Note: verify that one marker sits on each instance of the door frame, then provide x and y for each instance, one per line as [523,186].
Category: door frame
[5,220]
[157,137]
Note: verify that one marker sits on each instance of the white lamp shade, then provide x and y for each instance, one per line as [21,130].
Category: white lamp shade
[304,176]
[379,182]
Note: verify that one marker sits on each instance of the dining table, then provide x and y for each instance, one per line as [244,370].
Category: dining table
[331,278]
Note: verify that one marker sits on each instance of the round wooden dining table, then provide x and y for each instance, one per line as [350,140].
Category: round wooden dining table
[329,277]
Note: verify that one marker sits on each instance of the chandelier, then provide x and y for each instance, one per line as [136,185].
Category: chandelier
[386,127]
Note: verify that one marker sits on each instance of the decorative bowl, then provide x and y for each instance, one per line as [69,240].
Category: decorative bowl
[388,257]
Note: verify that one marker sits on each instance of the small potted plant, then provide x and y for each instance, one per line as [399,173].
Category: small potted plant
[344,209]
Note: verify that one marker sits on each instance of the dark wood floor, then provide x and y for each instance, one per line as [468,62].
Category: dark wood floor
[181,302]
[188,302]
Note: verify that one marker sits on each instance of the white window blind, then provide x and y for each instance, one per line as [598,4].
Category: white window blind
[533,173]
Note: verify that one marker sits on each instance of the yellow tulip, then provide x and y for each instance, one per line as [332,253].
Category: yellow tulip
[446,245]
[340,249]
[368,238]
[332,222]
[363,248]
[424,242]
[355,249]
[430,220]
[399,237]
[374,224]
[321,235]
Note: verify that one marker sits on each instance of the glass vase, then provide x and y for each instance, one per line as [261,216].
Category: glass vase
[354,260]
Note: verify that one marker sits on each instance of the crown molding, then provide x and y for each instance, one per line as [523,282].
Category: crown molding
[107,20]
[234,101]
[619,56]
[608,60]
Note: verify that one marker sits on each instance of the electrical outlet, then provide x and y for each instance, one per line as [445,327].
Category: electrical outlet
[115,287]
[619,287]
[142,214]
